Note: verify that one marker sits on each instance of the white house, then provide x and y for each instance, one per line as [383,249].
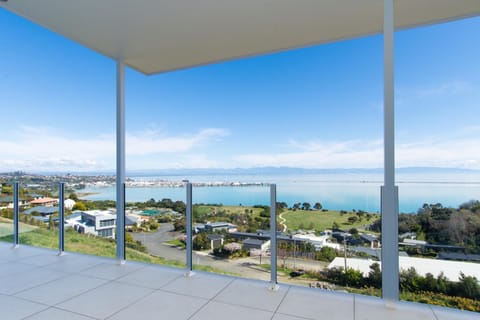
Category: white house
[318,241]
[97,222]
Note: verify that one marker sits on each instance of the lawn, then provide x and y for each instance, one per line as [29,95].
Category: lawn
[321,220]
[87,244]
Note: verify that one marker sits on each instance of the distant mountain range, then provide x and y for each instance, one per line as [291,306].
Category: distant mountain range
[271,171]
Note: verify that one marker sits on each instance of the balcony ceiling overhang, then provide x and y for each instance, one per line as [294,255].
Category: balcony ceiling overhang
[154,36]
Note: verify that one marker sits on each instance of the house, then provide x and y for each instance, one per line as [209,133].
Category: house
[216,240]
[220,226]
[372,240]
[7,201]
[97,222]
[249,244]
[317,241]
[131,220]
[47,202]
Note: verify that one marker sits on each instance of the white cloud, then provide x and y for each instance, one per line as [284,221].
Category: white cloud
[43,148]
[453,87]
[436,152]
[150,142]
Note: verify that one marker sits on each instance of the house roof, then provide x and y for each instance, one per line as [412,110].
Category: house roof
[41,210]
[43,200]
[164,35]
[255,242]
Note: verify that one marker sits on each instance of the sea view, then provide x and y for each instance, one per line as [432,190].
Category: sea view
[335,191]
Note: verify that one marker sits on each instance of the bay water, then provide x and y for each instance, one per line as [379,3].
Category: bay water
[335,191]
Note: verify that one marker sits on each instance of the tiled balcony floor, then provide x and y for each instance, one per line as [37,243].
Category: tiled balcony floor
[37,284]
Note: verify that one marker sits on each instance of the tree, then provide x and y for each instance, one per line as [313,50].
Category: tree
[51,224]
[326,254]
[375,276]
[79,206]
[200,242]
[318,206]
[73,196]
[352,219]
[306,206]
[353,231]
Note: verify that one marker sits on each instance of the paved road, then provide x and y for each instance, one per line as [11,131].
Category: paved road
[244,267]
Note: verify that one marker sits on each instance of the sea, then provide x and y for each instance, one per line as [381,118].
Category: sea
[335,191]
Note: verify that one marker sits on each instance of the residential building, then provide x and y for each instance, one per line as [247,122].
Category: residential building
[96,222]
[220,226]
[216,240]
[47,202]
[7,202]
[256,244]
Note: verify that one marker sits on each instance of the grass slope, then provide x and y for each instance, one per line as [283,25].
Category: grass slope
[321,220]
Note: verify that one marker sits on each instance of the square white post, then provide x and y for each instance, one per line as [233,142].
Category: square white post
[389,192]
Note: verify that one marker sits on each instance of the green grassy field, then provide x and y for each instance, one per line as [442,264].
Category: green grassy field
[6,227]
[75,242]
[321,220]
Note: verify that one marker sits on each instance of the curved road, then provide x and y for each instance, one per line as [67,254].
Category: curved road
[244,267]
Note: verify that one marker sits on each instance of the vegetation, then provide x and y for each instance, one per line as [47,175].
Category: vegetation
[321,220]
[446,226]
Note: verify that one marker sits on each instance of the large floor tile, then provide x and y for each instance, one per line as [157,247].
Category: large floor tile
[162,305]
[57,314]
[10,268]
[105,300]
[370,308]
[73,263]
[21,252]
[199,285]
[41,260]
[453,314]
[221,311]
[111,270]
[62,289]
[151,277]
[317,304]
[253,294]
[12,308]
[25,280]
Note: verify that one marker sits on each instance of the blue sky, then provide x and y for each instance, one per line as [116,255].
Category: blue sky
[317,107]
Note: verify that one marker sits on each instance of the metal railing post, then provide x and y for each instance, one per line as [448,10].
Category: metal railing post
[61,218]
[15,215]
[389,192]
[273,237]
[189,227]
[120,163]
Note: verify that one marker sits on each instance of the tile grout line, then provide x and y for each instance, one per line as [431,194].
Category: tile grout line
[433,311]
[211,299]
[152,291]
[52,307]
[131,304]
[281,301]
[14,294]
[56,305]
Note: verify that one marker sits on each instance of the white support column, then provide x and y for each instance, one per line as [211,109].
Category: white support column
[389,192]
[120,174]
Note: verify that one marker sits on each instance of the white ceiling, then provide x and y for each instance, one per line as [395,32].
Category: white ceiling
[155,36]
